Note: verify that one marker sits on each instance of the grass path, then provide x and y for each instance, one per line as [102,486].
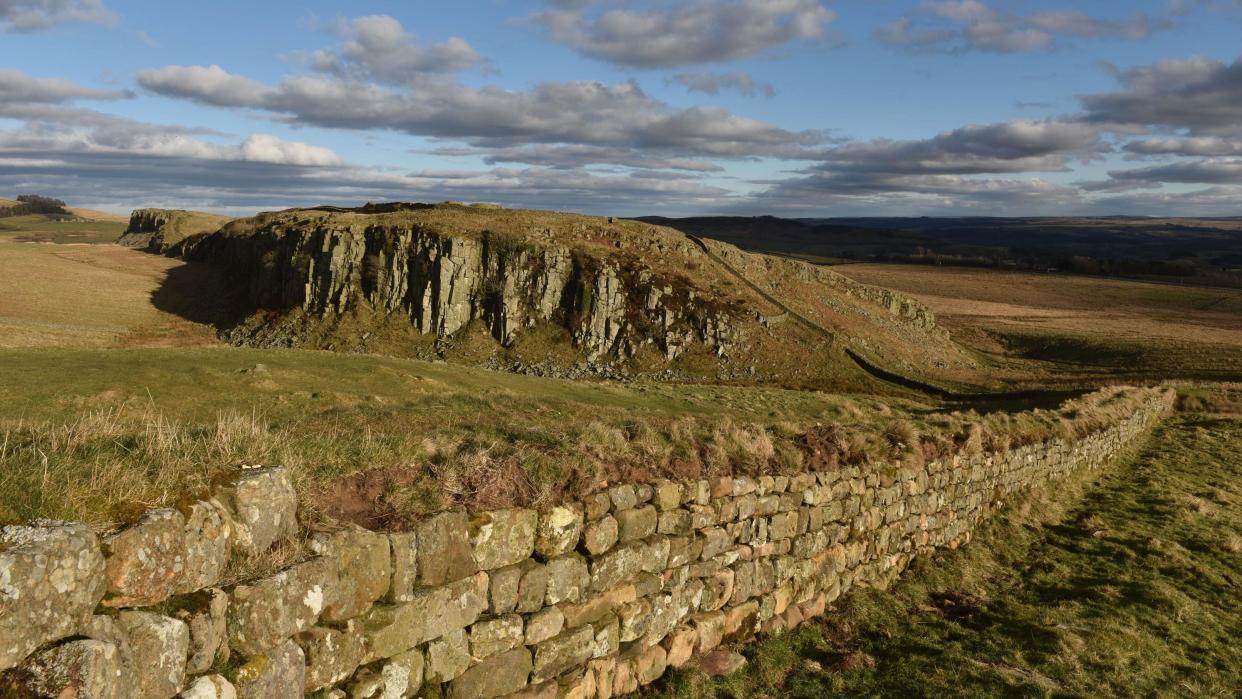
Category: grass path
[1134,589]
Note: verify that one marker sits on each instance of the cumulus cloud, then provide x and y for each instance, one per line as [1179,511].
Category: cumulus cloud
[39,15]
[1200,95]
[971,25]
[205,84]
[1192,146]
[1205,171]
[379,48]
[715,83]
[17,86]
[702,31]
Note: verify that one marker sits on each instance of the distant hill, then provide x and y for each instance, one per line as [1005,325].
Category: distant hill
[30,205]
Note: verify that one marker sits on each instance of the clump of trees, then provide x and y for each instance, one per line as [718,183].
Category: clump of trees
[28,204]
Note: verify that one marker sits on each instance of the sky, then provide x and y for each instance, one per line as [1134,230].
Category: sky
[629,107]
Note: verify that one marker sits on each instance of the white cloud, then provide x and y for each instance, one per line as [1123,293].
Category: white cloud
[378,47]
[39,15]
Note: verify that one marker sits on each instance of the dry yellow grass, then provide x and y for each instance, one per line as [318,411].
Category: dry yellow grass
[88,296]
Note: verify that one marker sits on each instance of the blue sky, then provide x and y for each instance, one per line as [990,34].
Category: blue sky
[791,107]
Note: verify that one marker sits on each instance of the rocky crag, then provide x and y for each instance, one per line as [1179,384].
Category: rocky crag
[163,230]
[618,291]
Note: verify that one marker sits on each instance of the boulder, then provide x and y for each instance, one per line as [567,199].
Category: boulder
[559,530]
[266,613]
[263,506]
[51,579]
[444,551]
[160,645]
[363,563]
[503,537]
[497,676]
[145,560]
[280,673]
[680,645]
[208,544]
[396,628]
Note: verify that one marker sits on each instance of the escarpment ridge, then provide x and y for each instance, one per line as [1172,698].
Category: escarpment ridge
[554,293]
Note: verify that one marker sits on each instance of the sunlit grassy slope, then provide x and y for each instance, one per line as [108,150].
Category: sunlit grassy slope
[39,228]
[1131,590]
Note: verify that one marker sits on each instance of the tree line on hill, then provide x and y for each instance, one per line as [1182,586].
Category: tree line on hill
[31,204]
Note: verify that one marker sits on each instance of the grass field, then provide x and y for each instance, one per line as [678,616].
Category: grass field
[1077,327]
[45,229]
[1129,588]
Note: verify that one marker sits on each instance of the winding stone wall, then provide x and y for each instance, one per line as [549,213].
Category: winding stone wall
[590,599]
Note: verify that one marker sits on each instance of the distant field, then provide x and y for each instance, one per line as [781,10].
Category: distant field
[1077,325]
[44,229]
[92,296]
[1130,591]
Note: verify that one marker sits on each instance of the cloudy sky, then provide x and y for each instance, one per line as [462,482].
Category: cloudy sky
[628,107]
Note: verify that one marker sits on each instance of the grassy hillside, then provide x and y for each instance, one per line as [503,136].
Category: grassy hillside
[159,230]
[1127,589]
[1077,328]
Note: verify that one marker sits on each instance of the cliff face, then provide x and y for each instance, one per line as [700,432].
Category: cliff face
[162,230]
[611,305]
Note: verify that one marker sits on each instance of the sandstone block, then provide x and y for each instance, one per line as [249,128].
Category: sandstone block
[532,588]
[503,589]
[280,673]
[144,560]
[568,579]
[711,628]
[600,535]
[633,619]
[558,654]
[363,563]
[680,645]
[617,566]
[719,663]
[503,537]
[667,495]
[209,687]
[623,497]
[496,676]
[396,628]
[208,544]
[160,646]
[404,547]
[447,657]
[676,522]
[51,579]
[597,606]
[488,638]
[636,524]
[607,636]
[596,505]
[331,655]
[263,506]
[205,614]
[265,613]
[543,625]
[83,668]
[444,551]
[559,531]
[650,665]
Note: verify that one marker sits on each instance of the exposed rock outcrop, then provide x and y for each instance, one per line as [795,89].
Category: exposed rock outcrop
[163,230]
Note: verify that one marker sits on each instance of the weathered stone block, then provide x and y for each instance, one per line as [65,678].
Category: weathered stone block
[488,638]
[633,619]
[543,625]
[667,495]
[265,613]
[363,563]
[444,551]
[393,629]
[680,645]
[623,497]
[596,505]
[263,506]
[676,522]
[447,656]
[208,545]
[209,687]
[568,579]
[600,535]
[206,616]
[503,537]
[559,530]
[532,588]
[160,646]
[496,676]
[556,655]
[719,663]
[715,542]
[650,665]
[503,589]
[83,668]
[636,524]
[404,546]
[617,566]
[597,606]
[331,655]
[144,560]
[280,673]
[51,579]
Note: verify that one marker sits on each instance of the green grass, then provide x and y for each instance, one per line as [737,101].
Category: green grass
[38,228]
[1132,589]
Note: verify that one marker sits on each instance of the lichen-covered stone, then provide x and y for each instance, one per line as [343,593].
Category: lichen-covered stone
[559,530]
[160,646]
[568,579]
[710,627]
[558,654]
[667,495]
[331,655]
[208,545]
[600,535]
[532,588]
[597,606]
[487,638]
[144,560]
[444,551]
[434,612]
[447,657]
[280,673]
[596,505]
[82,668]
[623,497]
[496,676]
[636,524]
[363,563]
[404,566]
[263,506]
[503,589]
[265,613]
[634,618]
[209,687]
[503,537]
[617,566]
[51,579]
[206,615]
[543,625]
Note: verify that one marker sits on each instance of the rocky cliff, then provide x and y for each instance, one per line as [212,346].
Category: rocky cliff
[162,230]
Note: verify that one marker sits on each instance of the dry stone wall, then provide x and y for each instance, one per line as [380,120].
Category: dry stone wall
[590,599]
